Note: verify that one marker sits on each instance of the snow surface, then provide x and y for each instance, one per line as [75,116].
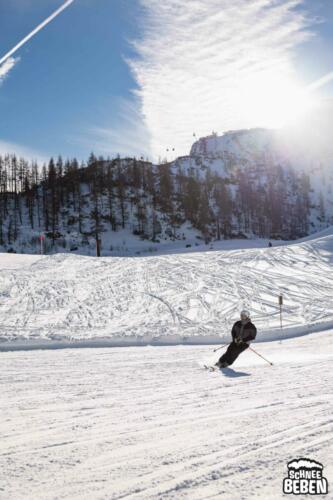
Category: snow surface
[150,422]
[171,298]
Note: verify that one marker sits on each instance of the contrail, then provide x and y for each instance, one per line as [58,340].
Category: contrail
[322,81]
[33,32]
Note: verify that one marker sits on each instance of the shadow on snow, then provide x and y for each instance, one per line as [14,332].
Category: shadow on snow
[229,372]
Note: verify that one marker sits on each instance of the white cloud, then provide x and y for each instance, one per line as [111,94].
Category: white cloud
[7,66]
[195,57]
[22,152]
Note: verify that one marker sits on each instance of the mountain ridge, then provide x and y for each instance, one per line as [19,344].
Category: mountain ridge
[238,185]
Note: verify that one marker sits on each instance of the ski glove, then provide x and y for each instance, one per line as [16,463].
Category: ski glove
[238,340]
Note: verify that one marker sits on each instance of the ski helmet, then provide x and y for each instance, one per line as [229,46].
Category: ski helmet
[245,313]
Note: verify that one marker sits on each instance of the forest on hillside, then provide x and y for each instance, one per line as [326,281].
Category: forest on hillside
[151,201]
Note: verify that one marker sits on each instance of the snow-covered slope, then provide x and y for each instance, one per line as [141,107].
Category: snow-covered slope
[192,297]
[266,145]
[240,143]
[149,423]
[253,183]
[320,234]
[258,151]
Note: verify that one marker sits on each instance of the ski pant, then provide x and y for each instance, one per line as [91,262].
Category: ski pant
[233,352]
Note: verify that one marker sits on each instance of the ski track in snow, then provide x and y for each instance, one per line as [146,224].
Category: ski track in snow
[149,423]
[80,298]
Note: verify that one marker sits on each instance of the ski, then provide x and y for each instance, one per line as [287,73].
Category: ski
[210,368]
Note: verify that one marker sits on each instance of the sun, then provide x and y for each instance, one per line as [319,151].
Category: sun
[272,100]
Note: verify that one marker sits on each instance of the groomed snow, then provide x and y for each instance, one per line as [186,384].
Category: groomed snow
[148,423]
[189,297]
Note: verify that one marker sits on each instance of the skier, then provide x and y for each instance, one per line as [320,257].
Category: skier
[242,333]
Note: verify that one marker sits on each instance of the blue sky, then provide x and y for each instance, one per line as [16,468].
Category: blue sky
[140,76]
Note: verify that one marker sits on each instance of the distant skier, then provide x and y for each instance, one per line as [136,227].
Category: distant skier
[242,333]
[270,244]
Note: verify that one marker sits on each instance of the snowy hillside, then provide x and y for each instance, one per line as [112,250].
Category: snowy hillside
[243,184]
[142,423]
[256,150]
[258,146]
[171,298]
[261,143]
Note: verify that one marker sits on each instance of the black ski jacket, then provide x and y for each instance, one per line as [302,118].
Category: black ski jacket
[249,331]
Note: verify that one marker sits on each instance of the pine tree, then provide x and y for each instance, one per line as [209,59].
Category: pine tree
[53,199]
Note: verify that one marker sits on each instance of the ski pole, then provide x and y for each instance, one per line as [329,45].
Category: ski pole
[257,353]
[218,348]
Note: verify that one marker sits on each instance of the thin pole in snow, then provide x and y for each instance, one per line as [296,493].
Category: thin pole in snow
[257,353]
[280,304]
[41,238]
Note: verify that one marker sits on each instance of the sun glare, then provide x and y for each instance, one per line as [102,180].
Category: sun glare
[274,101]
